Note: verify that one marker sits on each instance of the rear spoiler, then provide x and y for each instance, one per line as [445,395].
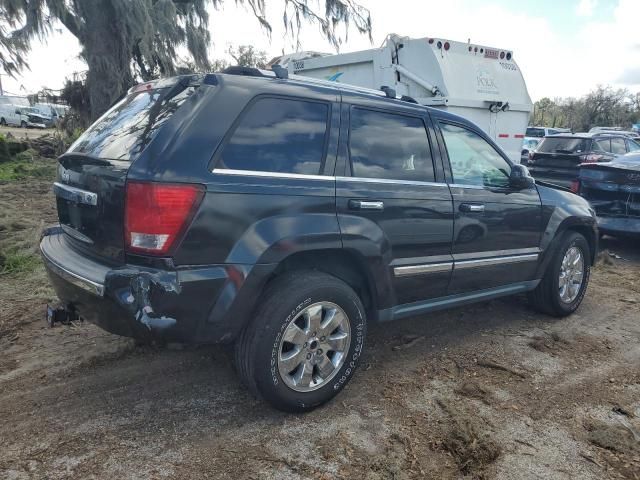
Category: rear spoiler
[185,80]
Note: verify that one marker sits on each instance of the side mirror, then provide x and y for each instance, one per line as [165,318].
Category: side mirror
[520,177]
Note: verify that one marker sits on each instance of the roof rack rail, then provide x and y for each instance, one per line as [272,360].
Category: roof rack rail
[280,71]
[388,91]
[407,98]
[244,71]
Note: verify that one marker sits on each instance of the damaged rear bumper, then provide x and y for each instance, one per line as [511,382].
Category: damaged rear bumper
[190,305]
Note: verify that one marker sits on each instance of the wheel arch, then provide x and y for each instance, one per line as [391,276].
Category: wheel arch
[347,265]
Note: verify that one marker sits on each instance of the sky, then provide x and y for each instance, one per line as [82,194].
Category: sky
[563,47]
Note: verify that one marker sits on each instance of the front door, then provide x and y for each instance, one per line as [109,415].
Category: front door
[497,227]
[392,202]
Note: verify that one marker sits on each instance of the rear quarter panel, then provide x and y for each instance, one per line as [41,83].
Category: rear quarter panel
[562,211]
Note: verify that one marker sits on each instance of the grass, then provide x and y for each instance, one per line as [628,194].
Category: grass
[15,261]
[24,166]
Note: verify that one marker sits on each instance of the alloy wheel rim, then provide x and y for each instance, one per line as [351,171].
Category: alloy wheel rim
[571,275]
[314,346]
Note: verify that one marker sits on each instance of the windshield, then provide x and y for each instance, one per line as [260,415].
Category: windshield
[124,131]
[564,145]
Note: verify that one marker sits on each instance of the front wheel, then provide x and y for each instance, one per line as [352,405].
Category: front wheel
[23,124]
[3,122]
[565,281]
[304,342]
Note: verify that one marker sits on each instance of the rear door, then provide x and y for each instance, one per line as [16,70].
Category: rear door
[391,194]
[90,188]
[497,228]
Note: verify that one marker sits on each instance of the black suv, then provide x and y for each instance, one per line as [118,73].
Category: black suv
[286,215]
[556,159]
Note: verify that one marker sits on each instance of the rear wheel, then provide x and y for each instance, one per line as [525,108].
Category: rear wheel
[304,342]
[23,124]
[3,122]
[564,284]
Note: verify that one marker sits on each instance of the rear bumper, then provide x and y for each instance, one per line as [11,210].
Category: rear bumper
[191,305]
[613,225]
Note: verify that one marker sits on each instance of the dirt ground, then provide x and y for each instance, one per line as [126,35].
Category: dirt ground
[26,132]
[493,390]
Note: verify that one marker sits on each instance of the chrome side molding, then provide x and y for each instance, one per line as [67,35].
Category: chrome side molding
[464,261]
[419,269]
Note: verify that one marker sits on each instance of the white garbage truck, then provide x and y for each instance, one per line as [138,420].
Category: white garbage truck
[483,84]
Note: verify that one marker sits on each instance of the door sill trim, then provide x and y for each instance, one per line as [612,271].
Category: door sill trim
[450,301]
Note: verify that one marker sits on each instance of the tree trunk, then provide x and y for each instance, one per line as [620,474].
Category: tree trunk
[107,55]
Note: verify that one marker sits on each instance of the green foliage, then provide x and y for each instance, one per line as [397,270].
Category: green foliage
[75,93]
[123,40]
[5,156]
[247,56]
[15,261]
[19,169]
[603,106]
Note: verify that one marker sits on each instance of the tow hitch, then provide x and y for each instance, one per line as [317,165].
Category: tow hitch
[63,315]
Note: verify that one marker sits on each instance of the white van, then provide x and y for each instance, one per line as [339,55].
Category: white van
[21,116]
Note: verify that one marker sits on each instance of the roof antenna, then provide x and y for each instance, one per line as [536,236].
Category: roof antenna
[280,71]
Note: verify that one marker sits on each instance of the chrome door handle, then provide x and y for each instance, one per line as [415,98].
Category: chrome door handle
[365,205]
[472,207]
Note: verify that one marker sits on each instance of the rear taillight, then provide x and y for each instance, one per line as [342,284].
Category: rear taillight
[592,158]
[156,215]
[575,186]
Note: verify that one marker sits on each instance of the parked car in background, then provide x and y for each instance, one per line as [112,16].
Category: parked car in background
[307,210]
[613,190]
[540,132]
[48,112]
[35,119]
[626,133]
[557,157]
[597,129]
[529,144]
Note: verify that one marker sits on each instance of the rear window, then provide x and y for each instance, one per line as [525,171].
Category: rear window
[129,126]
[563,145]
[535,132]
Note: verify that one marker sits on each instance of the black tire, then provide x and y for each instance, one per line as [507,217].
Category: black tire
[258,347]
[3,122]
[546,297]
[23,124]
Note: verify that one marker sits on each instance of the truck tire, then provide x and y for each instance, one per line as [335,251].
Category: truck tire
[23,124]
[3,122]
[565,281]
[304,341]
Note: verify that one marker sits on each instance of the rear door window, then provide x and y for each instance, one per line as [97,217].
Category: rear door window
[618,146]
[389,146]
[279,135]
[602,144]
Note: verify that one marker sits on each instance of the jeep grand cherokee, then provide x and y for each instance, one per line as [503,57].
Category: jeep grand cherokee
[286,215]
